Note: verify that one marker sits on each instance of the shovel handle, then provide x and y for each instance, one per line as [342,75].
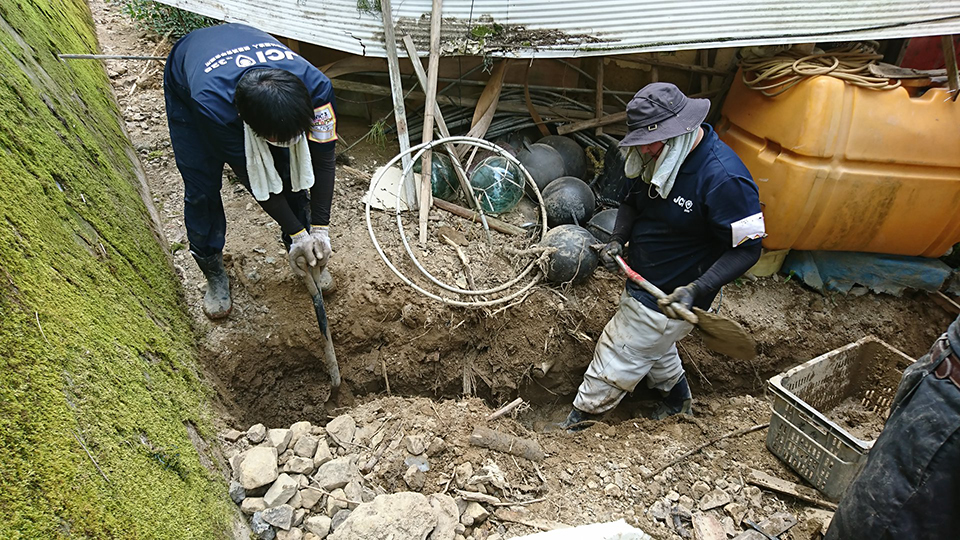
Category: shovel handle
[687,315]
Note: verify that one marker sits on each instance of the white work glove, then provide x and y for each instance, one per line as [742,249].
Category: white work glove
[321,233]
[304,252]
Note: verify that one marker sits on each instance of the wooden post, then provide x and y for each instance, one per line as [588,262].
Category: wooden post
[950,61]
[598,103]
[390,42]
[429,107]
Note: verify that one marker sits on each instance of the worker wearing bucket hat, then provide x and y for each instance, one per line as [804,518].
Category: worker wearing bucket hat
[691,222]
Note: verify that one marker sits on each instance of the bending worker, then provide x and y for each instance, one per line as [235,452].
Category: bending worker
[910,486]
[235,95]
[692,223]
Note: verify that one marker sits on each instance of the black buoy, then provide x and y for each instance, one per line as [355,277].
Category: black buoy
[574,261]
[574,158]
[543,162]
[569,200]
[601,225]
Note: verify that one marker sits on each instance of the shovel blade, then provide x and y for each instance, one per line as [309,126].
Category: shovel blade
[725,336]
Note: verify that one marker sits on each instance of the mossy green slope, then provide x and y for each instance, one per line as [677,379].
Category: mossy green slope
[94,343]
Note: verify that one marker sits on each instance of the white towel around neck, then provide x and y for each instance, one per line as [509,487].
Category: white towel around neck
[663,173]
[264,178]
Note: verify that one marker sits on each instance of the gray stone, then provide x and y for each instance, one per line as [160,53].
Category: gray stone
[256,433]
[339,518]
[323,454]
[258,467]
[310,536]
[296,501]
[476,512]
[415,478]
[337,473]
[736,511]
[753,495]
[437,445]
[336,501]
[261,528]
[281,491]
[299,465]
[659,511]
[342,429]
[280,517]
[448,517]
[462,474]
[686,502]
[728,526]
[353,493]
[415,444]
[386,515]
[309,498]
[298,516]
[251,505]
[721,483]
[306,446]
[285,457]
[673,496]
[714,499]
[278,438]
[699,489]
[297,431]
[292,534]
[318,525]
[235,461]
[612,490]
[237,493]
[233,435]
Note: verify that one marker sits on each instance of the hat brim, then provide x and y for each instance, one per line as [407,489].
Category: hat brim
[688,120]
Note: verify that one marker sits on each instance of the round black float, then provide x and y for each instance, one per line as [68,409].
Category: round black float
[574,261]
[569,200]
[543,162]
[574,158]
[601,225]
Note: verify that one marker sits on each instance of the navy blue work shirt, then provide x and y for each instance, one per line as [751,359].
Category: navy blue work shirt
[714,206]
[206,66]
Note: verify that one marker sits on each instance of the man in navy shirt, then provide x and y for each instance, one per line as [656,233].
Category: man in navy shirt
[236,95]
[692,223]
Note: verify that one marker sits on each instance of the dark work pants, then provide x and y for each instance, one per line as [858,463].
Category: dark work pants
[910,486]
[201,166]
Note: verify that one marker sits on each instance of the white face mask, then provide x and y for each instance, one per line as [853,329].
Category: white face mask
[286,144]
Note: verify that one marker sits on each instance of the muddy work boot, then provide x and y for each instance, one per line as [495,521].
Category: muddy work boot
[678,401]
[577,420]
[216,301]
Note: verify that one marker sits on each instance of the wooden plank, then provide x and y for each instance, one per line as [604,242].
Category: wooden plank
[946,303]
[657,61]
[950,61]
[707,527]
[400,114]
[611,118]
[506,443]
[495,224]
[429,108]
[772,483]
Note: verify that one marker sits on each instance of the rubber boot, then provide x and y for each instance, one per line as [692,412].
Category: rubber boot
[576,421]
[216,301]
[678,401]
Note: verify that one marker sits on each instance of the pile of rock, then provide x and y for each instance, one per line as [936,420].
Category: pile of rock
[307,482]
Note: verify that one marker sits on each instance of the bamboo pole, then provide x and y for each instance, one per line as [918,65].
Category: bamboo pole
[950,61]
[400,113]
[598,98]
[429,109]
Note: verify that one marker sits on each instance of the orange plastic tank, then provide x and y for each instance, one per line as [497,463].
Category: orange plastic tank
[844,168]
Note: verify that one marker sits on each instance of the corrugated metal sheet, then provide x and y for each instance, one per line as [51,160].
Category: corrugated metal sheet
[571,28]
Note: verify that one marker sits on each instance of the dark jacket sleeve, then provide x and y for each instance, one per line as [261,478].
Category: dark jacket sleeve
[324,159]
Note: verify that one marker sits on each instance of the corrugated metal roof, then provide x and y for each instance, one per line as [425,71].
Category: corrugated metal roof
[571,28]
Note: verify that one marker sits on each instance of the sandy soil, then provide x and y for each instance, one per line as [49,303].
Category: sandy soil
[265,361]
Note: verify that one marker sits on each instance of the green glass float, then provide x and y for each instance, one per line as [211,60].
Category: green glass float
[498,184]
[443,180]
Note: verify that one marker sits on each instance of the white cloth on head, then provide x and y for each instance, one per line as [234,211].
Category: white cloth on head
[663,173]
[638,342]
[264,178]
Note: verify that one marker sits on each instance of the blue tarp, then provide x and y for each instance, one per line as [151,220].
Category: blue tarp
[841,270]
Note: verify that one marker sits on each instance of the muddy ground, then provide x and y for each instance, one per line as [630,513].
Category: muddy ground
[265,361]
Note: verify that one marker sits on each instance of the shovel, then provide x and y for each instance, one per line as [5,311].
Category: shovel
[720,334]
[329,355]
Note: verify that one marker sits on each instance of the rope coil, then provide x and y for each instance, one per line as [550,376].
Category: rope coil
[775,75]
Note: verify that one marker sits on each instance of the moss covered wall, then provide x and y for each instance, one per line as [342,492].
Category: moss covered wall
[94,342]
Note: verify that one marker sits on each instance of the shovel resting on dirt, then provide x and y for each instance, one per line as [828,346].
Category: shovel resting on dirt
[329,355]
[720,334]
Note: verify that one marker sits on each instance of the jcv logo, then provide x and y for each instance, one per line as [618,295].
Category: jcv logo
[262,56]
[684,203]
